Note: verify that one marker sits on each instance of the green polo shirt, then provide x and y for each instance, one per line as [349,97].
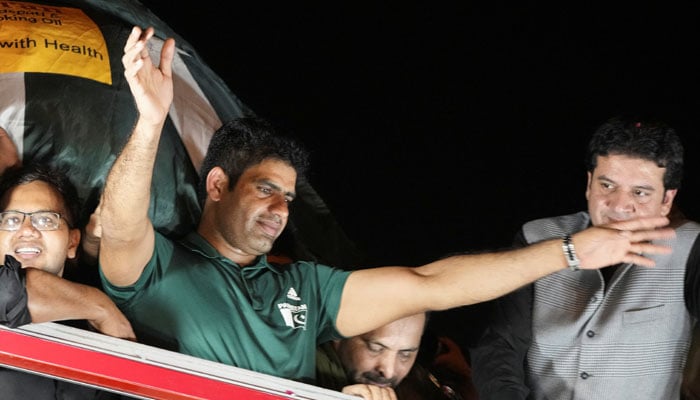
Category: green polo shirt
[263,317]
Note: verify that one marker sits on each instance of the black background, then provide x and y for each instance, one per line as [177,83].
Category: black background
[442,128]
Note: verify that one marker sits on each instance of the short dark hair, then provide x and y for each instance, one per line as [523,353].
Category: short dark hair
[57,179]
[649,140]
[243,142]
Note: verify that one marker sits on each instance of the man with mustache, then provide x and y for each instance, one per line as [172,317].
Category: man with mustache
[621,332]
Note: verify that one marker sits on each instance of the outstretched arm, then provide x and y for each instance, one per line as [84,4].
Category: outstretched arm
[127,233]
[469,279]
[51,298]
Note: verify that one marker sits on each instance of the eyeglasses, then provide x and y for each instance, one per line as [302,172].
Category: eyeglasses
[41,220]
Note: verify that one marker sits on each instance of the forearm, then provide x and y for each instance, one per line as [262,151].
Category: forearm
[52,298]
[126,230]
[443,284]
[127,191]
[475,278]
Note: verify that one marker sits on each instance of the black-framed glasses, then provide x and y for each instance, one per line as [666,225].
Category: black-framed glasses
[41,220]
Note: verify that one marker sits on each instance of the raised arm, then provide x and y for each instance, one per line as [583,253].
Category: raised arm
[469,279]
[127,233]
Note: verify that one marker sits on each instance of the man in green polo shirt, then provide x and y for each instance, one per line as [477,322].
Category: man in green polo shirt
[215,295]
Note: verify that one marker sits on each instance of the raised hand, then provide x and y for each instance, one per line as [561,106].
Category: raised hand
[624,241]
[151,85]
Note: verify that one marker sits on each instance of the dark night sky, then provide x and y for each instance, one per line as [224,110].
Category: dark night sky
[436,129]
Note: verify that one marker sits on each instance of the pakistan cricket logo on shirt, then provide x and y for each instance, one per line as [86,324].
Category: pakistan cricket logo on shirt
[294,315]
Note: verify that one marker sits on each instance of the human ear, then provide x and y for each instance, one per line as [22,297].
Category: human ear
[73,242]
[217,183]
[667,201]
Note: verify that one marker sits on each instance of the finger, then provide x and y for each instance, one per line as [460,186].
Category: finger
[131,60]
[648,235]
[384,393]
[166,57]
[639,260]
[650,248]
[638,251]
[132,69]
[145,37]
[135,50]
[357,390]
[148,33]
[133,38]
[375,392]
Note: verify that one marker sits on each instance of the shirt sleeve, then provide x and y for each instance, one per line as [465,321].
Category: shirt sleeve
[123,295]
[14,310]
[498,357]
[331,282]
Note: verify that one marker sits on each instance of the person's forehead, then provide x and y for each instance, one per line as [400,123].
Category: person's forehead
[33,196]
[405,333]
[272,170]
[617,163]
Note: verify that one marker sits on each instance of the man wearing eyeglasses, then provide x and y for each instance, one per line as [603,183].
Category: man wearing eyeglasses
[40,242]
[38,234]
[39,209]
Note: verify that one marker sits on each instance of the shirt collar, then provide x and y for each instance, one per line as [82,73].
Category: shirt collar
[196,243]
